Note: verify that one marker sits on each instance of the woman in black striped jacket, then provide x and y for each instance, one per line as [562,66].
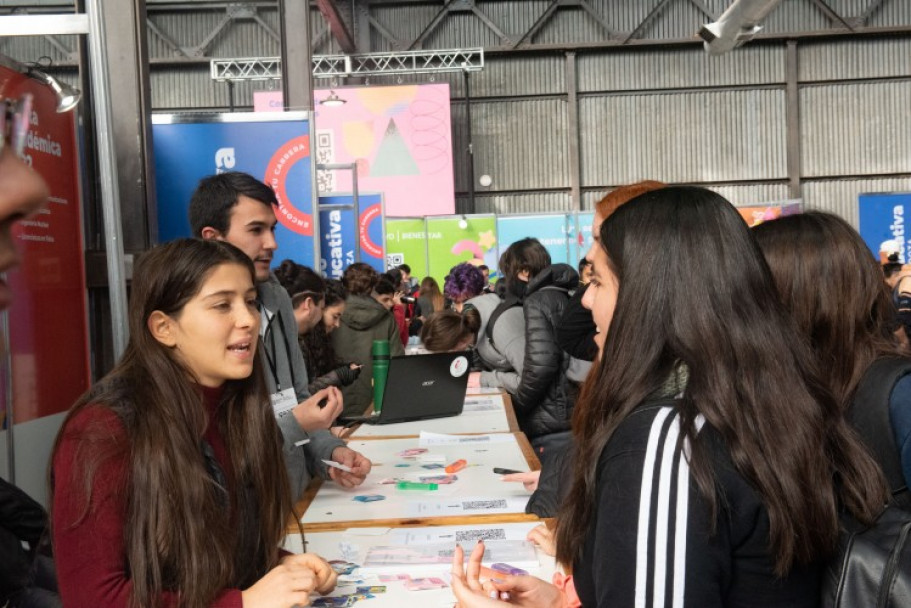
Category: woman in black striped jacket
[711,461]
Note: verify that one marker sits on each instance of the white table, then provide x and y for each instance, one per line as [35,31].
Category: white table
[478,494]
[353,546]
[488,413]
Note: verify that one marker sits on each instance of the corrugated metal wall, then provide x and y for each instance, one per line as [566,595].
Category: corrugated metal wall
[672,113]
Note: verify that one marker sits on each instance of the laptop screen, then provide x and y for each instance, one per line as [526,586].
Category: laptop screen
[425,386]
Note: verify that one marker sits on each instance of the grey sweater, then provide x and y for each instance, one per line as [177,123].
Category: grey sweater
[280,342]
[506,358]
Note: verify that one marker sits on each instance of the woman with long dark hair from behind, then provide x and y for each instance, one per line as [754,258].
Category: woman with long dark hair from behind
[168,485]
[711,460]
[834,289]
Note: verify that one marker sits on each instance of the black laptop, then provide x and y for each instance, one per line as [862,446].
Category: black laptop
[419,387]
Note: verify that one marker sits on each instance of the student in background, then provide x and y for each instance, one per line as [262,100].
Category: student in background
[463,283]
[833,288]
[430,299]
[698,481]
[576,333]
[388,292]
[363,321]
[307,291]
[449,331]
[168,482]
[309,297]
[485,271]
[585,272]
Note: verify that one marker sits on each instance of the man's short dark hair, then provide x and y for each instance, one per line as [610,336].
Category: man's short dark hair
[404,268]
[384,286]
[216,195]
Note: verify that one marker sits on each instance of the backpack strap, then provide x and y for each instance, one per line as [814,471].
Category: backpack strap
[869,415]
[510,301]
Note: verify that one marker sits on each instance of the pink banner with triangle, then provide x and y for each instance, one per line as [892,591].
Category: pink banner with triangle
[400,138]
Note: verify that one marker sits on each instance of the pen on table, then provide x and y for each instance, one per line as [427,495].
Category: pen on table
[337,465]
[501,471]
[456,466]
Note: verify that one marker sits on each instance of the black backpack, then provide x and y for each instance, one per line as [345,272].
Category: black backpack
[872,565]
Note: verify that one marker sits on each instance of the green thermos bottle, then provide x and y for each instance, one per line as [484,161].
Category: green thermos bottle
[380,352]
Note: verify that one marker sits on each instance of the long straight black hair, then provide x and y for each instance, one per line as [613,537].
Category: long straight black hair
[695,289]
[178,536]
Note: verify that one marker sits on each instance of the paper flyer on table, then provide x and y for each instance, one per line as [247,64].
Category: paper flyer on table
[519,553]
[483,390]
[447,507]
[459,534]
[483,404]
[428,439]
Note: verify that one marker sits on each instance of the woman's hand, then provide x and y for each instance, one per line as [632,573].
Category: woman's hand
[529,480]
[326,577]
[526,591]
[283,586]
[543,536]
[474,380]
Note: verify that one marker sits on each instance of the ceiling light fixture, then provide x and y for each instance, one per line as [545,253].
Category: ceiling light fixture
[333,100]
[67,96]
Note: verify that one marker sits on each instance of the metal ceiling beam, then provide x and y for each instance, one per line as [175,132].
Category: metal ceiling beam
[344,66]
[830,14]
[337,25]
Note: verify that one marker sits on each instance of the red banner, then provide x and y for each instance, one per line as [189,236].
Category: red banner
[47,321]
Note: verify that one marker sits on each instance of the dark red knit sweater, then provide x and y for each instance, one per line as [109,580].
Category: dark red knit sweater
[90,556]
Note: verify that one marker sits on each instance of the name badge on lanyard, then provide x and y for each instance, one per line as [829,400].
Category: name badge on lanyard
[283,402]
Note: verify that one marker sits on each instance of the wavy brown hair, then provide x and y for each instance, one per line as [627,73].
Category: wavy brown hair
[711,305]
[178,535]
[833,286]
[430,289]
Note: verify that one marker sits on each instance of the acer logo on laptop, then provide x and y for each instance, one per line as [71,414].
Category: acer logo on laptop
[428,382]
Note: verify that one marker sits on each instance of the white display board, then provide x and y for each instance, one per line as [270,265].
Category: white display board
[477,492]
[354,546]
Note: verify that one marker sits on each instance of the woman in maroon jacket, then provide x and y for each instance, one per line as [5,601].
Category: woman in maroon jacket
[168,483]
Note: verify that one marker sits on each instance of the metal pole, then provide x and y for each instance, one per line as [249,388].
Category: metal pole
[107,164]
[792,118]
[466,80]
[8,379]
[357,211]
[573,131]
[230,95]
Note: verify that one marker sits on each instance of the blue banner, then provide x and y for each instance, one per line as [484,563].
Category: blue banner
[348,236]
[274,148]
[882,218]
[338,238]
[582,235]
[551,230]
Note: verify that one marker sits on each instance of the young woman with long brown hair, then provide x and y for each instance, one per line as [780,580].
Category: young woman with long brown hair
[711,461]
[168,485]
[829,280]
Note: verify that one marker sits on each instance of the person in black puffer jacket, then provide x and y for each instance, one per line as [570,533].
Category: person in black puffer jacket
[541,399]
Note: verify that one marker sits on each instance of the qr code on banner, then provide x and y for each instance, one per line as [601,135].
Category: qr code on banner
[325,151]
[467,536]
[394,259]
[483,505]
